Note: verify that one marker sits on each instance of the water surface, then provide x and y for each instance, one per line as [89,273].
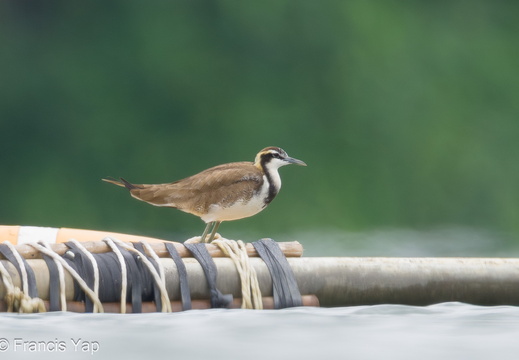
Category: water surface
[442,331]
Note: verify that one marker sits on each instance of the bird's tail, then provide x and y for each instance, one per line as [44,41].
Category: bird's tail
[123,183]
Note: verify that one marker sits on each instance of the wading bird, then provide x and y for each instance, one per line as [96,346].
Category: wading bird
[222,193]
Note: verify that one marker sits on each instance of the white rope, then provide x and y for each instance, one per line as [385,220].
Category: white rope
[166,304]
[198,239]
[94,266]
[124,271]
[155,257]
[92,295]
[25,281]
[61,277]
[251,293]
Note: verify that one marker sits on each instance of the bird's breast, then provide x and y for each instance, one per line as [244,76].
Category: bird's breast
[241,208]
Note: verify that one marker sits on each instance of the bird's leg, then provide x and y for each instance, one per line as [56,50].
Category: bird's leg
[216,225]
[206,231]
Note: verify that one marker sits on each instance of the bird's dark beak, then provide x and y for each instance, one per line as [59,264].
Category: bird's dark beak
[291,160]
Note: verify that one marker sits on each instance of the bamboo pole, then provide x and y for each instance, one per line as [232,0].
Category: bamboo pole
[290,249]
[350,281]
[176,306]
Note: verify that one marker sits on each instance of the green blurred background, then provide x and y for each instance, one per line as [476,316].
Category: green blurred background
[406,112]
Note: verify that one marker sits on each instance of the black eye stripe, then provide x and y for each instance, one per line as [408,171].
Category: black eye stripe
[273,155]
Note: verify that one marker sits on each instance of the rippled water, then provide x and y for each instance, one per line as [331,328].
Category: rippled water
[443,331]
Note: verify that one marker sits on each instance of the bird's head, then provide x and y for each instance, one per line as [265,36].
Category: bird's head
[273,158]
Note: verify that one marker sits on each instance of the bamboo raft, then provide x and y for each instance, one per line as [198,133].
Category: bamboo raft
[322,281]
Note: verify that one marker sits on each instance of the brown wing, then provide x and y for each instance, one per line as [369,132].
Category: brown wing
[222,184]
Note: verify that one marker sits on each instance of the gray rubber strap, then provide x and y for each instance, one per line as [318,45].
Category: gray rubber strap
[54,287]
[199,251]
[155,289]
[182,275]
[284,286]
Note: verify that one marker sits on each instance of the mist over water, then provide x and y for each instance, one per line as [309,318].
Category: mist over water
[445,241]
[436,242]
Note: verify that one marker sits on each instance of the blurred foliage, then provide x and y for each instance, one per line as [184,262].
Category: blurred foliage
[405,111]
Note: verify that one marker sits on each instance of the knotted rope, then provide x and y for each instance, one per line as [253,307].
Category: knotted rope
[16,299]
